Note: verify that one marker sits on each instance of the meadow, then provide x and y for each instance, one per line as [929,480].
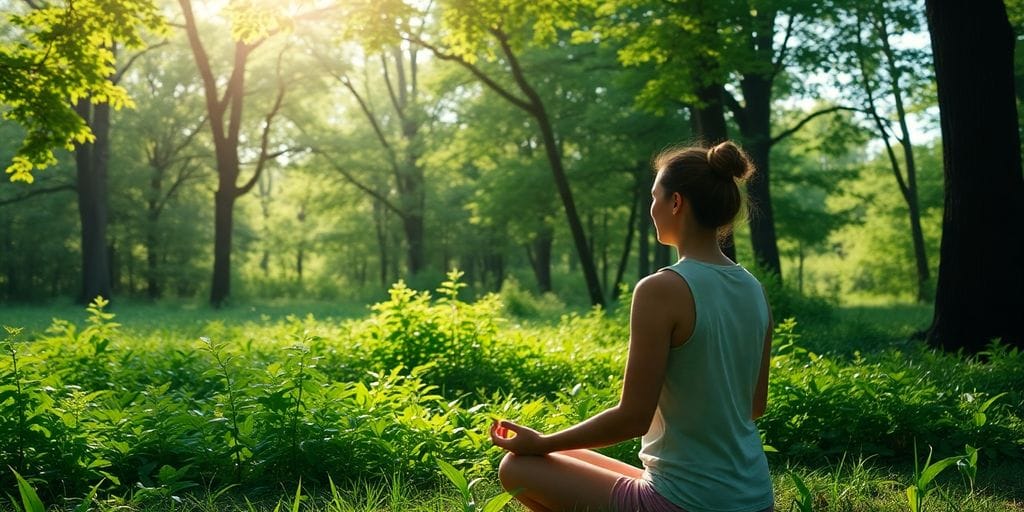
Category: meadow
[272,407]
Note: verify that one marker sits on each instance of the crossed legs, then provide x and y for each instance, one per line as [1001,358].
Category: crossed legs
[569,480]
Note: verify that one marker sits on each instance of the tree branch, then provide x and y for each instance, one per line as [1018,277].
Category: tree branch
[235,89]
[795,128]
[372,119]
[517,70]
[395,101]
[358,184]
[869,90]
[780,61]
[120,73]
[35,192]
[213,105]
[265,140]
[477,72]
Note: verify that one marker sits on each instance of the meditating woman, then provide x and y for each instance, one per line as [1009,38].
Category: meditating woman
[696,376]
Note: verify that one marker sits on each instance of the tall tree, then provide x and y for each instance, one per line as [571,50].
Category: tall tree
[498,32]
[887,92]
[92,161]
[66,56]
[400,72]
[733,53]
[979,294]
[224,111]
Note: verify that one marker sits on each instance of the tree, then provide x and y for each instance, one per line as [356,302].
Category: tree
[224,111]
[161,134]
[888,81]
[68,57]
[398,132]
[978,296]
[498,32]
[733,54]
[63,55]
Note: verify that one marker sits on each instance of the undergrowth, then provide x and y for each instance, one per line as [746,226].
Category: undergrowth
[253,410]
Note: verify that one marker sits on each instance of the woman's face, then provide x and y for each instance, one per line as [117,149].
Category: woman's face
[661,212]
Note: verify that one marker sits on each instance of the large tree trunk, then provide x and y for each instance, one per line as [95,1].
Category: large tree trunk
[757,139]
[91,161]
[979,294]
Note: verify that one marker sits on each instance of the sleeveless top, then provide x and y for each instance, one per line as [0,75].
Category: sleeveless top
[703,452]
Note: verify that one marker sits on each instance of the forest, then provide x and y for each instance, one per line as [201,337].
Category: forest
[246,243]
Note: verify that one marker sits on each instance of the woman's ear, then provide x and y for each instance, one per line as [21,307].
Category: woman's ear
[677,202]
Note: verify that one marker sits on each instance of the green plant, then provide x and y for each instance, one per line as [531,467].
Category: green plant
[237,444]
[465,489]
[30,501]
[922,486]
[14,392]
[805,501]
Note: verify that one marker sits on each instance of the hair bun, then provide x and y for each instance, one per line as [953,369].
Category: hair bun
[729,161]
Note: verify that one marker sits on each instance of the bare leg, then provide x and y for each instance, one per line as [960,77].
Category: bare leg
[605,462]
[557,481]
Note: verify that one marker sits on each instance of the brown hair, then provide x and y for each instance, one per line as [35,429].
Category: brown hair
[709,178]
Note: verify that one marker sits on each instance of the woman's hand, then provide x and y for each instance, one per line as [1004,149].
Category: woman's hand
[518,439]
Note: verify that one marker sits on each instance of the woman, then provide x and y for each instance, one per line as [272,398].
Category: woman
[696,376]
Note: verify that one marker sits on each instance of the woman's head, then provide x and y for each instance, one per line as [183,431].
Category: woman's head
[709,179]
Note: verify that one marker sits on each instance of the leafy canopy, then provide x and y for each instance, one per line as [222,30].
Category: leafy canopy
[56,55]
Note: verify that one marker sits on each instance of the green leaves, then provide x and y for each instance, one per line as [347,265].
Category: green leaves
[29,499]
[64,55]
[456,477]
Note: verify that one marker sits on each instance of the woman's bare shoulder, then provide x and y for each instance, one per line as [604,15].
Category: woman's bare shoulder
[663,285]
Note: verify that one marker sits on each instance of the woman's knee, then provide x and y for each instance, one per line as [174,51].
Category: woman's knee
[507,469]
[511,470]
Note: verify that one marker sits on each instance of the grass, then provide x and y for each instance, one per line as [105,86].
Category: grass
[850,394]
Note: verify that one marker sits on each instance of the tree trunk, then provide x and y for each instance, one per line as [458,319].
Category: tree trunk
[638,191]
[978,294]
[91,161]
[224,204]
[380,229]
[153,289]
[412,224]
[757,139]
[910,191]
[586,258]
[539,253]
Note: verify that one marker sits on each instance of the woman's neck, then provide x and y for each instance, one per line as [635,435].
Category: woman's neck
[702,245]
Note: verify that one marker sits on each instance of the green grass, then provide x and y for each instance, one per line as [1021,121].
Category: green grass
[372,398]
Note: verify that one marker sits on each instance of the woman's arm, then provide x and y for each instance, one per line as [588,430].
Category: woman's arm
[653,316]
[761,391]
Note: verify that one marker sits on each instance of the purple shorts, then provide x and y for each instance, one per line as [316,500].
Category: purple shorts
[638,495]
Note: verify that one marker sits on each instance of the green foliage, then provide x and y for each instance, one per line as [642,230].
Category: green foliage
[63,54]
[388,396]
[465,489]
